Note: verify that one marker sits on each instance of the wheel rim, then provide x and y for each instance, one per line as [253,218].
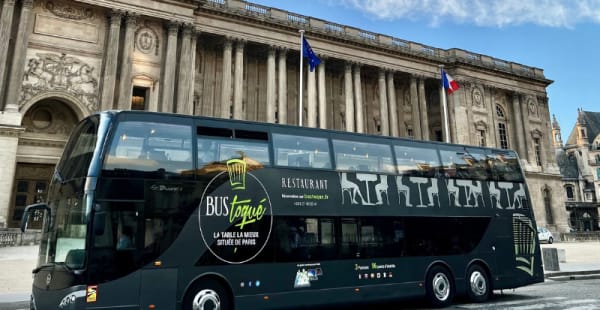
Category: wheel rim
[441,286]
[206,298]
[478,283]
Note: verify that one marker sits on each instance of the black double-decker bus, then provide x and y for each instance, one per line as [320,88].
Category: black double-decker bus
[164,211]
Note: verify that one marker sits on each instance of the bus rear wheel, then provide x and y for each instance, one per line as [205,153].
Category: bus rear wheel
[478,284]
[207,294]
[439,287]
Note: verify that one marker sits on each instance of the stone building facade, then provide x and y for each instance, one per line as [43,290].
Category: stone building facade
[61,60]
[579,162]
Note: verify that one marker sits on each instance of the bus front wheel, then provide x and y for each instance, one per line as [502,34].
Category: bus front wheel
[439,287]
[478,284]
[207,294]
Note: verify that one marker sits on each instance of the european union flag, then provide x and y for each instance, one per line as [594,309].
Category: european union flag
[313,60]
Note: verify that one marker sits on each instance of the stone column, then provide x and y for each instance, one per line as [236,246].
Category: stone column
[282,88]
[358,104]
[424,109]
[125,84]
[17,70]
[414,103]
[392,106]
[349,96]
[519,134]
[192,68]
[529,151]
[322,94]
[169,66]
[8,7]
[184,106]
[271,90]
[9,139]
[311,116]
[111,61]
[226,84]
[383,104]
[238,81]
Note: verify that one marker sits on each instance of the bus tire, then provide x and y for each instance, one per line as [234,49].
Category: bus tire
[439,287]
[207,294]
[478,284]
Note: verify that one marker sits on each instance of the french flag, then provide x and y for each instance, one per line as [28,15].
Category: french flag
[449,83]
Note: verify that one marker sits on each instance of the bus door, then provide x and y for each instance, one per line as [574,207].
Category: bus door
[114,260]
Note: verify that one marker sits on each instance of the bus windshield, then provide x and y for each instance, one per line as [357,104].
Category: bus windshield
[64,240]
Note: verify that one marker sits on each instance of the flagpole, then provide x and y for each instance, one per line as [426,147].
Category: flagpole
[445,107]
[301,67]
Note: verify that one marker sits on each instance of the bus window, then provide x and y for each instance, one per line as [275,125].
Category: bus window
[361,156]
[349,247]
[381,237]
[505,167]
[465,163]
[148,147]
[422,161]
[301,239]
[299,151]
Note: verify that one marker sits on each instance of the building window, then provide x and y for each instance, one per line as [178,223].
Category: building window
[538,151]
[548,206]
[597,158]
[29,192]
[138,98]
[438,135]
[409,132]
[481,137]
[570,194]
[502,130]
[582,133]
[598,173]
[502,135]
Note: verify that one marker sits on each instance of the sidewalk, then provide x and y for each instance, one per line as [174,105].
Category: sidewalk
[16,263]
[582,261]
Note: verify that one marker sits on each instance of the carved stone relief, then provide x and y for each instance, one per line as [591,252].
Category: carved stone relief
[536,134]
[406,96]
[481,125]
[477,97]
[68,10]
[146,40]
[60,73]
[532,106]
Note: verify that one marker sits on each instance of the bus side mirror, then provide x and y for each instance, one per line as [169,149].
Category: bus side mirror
[29,209]
[99,223]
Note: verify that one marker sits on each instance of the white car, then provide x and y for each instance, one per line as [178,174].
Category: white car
[544,235]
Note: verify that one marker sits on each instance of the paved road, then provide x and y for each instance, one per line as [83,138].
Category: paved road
[16,264]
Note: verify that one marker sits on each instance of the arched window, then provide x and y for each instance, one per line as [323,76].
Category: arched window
[569,190]
[548,206]
[502,129]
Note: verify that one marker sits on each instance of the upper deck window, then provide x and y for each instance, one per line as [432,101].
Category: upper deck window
[422,160]
[505,167]
[216,146]
[149,146]
[299,151]
[361,156]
